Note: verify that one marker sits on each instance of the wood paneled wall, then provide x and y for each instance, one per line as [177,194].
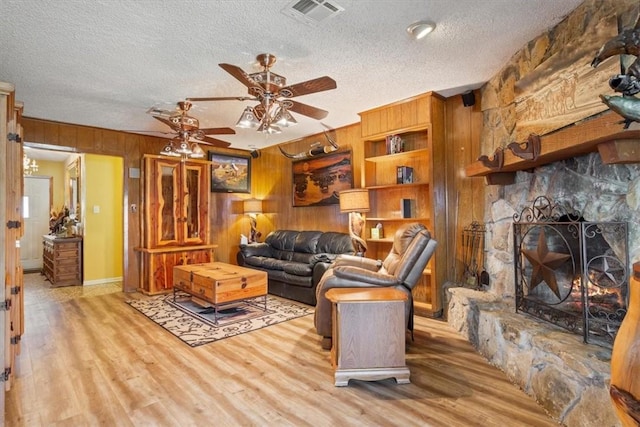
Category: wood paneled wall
[465,196]
[271,181]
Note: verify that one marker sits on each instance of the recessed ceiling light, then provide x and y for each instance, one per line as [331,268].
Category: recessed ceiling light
[420,29]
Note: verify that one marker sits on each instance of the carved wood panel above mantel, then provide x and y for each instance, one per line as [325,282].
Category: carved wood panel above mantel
[603,133]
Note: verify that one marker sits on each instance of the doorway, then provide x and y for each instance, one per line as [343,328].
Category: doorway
[35,206]
[95,196]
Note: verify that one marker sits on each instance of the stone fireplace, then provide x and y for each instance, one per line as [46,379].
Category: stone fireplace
[568,377]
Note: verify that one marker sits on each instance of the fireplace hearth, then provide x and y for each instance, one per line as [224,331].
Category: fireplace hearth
[570,271]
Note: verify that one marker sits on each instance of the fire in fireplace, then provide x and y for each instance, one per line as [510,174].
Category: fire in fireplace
[571,272]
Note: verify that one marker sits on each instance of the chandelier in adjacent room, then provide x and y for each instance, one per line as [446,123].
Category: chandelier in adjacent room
[29,166]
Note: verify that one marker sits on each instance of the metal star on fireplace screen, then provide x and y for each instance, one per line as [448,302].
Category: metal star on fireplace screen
[545,263]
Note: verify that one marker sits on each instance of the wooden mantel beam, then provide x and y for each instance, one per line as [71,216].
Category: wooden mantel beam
[603,133]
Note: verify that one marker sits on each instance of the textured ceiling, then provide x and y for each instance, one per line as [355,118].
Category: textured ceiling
[105,63]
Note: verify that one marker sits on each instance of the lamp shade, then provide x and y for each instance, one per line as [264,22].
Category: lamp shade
[355,200]
[252,206]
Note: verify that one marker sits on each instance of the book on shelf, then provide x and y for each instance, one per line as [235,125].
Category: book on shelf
[408,208]
[405,175]
[394,144]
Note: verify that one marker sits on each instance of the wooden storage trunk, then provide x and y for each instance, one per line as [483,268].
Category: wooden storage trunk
[219,283]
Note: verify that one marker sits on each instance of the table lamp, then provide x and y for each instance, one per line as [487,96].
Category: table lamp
[253,207]
[354,202]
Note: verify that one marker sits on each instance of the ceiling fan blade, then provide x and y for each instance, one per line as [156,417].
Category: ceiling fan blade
[310,86]
[218,131]
[224,98]
[239,74]
[214,142]
[308,110]
[158,112]
[165,121]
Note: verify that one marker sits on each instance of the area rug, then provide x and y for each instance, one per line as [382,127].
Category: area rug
[195,325]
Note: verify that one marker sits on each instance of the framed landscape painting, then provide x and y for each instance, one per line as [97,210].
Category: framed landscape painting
[317,181]
[230,173]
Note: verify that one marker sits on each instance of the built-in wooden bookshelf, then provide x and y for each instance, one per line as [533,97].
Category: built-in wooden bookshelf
[416,127]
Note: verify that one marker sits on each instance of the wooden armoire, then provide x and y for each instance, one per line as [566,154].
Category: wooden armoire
[175,226]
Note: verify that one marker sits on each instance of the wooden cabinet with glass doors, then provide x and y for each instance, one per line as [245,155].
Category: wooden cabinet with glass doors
[176,219]
[407,135]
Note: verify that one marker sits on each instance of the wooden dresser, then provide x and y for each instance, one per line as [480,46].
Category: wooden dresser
[62,260]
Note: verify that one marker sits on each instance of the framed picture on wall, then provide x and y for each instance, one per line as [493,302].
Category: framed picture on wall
[317,181]
[230,173]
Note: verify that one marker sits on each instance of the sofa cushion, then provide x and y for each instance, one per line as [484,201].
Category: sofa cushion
[256,249]
[335,243]
[266,262]
[306,241]
[303,258]
[281,254]
[291,279]
[298,268]
[283,240]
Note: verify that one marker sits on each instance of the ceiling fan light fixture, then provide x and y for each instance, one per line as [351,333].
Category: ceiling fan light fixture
[248,119]
[196,151]
[284,118]
[420,29]
[269,129]
[169,150]
[183,148]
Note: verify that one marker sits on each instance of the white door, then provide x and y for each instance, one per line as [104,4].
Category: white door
[36,220]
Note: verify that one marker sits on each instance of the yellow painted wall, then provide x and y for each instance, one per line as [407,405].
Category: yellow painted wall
[55,170]
[103,195]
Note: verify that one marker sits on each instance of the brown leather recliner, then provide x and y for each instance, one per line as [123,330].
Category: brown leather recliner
[401,269]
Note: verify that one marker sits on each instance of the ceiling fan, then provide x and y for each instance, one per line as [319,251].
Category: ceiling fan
[273,95]
[187,127]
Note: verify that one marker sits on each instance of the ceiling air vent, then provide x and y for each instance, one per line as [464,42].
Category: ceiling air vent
[312,12]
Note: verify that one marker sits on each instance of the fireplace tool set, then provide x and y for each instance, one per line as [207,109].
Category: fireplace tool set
[474,273]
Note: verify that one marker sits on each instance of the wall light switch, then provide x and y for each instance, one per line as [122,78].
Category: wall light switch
[96,209]
[134,172]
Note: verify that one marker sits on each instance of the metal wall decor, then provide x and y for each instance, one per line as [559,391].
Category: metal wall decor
[627,42]
[571,272]
[316,148]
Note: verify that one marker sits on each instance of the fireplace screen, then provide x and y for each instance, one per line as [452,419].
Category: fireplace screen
[571,272]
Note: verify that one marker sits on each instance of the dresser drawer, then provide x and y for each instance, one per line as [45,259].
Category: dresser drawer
[67,269]
[67,246]
[67,253]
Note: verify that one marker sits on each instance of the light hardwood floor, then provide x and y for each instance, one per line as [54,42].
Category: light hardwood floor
[89,359]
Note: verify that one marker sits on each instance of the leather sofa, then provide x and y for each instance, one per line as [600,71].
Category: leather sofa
[295,260]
